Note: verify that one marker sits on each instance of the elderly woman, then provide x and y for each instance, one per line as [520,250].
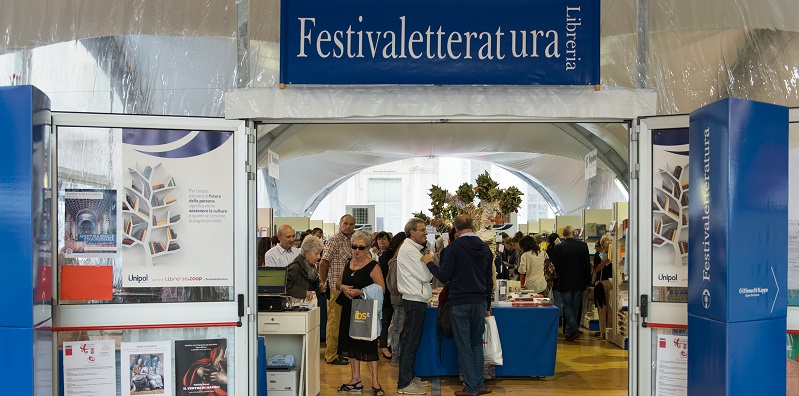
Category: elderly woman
[361,272]
[302,274]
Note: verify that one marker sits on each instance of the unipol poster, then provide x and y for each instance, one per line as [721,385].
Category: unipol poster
[90,223]
[672,365]
[89,368]
[201,367]
[146,368]
[670,207]
[177,208]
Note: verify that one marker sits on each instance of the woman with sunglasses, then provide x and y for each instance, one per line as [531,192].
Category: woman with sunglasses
[361,272]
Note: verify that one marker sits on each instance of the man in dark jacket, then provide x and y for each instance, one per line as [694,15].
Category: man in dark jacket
[572,264]
[467,265]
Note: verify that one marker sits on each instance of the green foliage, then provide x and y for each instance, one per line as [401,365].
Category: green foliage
[465,193]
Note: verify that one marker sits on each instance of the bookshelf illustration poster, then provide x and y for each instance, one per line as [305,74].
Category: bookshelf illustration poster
[201,367]
[90,223]
[177,208]
[146,368]
[670,207]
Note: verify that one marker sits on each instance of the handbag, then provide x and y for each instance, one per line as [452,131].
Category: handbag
[492,348]
[363,320]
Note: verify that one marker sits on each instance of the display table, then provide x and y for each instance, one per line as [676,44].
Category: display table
[294,333]
[529,338]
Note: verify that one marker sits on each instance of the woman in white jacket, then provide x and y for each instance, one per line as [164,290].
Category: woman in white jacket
[531,266]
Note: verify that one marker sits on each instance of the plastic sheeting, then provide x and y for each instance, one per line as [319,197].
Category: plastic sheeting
[181,57]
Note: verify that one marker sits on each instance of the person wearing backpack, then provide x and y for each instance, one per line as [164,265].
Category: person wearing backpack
[468,267]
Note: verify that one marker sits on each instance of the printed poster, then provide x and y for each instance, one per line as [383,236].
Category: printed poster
[89,368]
[672,365]
[201,367]
[90,223]
[793,214]
[146,368]
[177,208]
[670,207]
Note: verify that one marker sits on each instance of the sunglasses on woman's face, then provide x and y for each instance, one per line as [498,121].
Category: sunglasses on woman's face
[356,247]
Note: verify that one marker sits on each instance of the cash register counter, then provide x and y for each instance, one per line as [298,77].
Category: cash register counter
[294,333]
[528,335]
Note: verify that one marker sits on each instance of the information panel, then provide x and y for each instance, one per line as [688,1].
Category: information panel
[512,42]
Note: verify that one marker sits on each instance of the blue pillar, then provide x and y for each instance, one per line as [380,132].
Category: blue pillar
[738,252]
[25,241]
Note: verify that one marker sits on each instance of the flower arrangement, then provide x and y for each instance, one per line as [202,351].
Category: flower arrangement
[494,207]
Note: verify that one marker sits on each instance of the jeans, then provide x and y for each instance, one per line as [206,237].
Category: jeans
[399,321]
[468,326]
[572,304]
[409,340]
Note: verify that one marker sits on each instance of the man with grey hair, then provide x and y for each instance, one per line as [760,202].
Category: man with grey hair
[284,252]
[336,255]
[573,266]
[413,281]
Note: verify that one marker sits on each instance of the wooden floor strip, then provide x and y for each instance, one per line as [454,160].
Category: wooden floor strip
[586,366]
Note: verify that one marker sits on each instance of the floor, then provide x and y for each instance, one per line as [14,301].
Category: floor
[585,366]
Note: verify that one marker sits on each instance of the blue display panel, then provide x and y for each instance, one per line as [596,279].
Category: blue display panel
[737,292]
[510,42]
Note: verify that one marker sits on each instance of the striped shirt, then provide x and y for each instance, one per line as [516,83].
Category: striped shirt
[338,252]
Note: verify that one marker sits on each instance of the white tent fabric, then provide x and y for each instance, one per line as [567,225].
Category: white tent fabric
[220,58]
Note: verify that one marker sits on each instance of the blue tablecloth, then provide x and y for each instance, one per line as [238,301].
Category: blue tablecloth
[529,338]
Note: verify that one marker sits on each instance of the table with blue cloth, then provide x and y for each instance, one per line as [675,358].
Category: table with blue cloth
[528,335]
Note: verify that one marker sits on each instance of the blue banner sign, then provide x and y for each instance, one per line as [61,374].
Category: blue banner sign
[467,42]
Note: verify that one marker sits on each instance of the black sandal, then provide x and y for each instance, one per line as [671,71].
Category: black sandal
[351,387]
[378,391]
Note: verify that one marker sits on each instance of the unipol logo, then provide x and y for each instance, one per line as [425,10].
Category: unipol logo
[706,298]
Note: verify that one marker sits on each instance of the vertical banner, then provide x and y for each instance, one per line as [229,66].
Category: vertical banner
[737,292]
[590,164]
[89,368]
[273,164]
[177,208]
[670,208]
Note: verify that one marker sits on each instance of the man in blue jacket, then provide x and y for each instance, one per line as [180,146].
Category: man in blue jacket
[467,266]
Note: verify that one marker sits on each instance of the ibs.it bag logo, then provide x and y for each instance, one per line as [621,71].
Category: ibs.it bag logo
[706,298]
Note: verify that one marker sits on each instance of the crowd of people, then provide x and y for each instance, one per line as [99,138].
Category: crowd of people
[400,270]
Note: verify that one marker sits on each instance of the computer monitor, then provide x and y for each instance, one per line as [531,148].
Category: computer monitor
[271,280]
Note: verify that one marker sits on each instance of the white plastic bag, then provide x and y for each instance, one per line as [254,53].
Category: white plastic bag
[492,349]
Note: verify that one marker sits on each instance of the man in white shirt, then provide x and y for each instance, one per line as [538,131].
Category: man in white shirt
[284,252]
[413,281]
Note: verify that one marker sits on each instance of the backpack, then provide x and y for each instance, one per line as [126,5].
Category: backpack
[443,320]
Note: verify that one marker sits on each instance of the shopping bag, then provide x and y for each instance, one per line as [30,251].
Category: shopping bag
[492,349]
[363,320]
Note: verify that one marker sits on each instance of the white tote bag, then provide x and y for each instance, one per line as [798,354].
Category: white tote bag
[492,349]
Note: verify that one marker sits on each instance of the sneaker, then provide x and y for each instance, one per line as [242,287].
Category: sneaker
[340,361]
[411,389]
[419,382]
[394,361]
